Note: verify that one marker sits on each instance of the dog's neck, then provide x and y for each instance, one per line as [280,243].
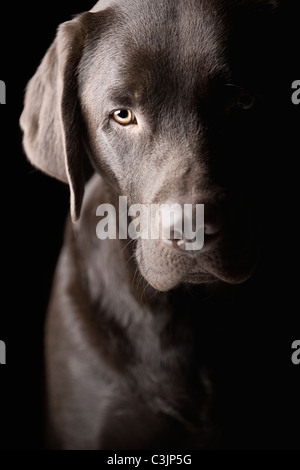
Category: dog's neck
[168,335]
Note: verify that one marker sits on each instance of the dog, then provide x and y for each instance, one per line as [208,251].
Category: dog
[169,102]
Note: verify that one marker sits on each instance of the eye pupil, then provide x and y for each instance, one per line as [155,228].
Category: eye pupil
[123,114]
[245,101]
[124,117]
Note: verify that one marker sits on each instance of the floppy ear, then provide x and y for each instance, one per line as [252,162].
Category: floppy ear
[50,119]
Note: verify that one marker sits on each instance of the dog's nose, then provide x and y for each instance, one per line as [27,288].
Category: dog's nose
[209,228]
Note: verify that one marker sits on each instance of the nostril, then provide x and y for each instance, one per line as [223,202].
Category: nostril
[176,235]
[176,239]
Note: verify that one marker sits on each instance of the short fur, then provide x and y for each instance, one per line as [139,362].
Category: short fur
[127,336]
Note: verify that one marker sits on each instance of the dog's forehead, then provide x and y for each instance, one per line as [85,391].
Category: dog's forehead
[102,5]
[196,23]
[186,36]
[160,49]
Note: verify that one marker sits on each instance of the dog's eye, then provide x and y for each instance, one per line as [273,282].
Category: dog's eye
[124,117]
[245,101]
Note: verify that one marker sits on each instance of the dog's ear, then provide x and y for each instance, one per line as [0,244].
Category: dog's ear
[50,119]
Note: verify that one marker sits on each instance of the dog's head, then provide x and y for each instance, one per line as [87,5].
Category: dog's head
[170,101]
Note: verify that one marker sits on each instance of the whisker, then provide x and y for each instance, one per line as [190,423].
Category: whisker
[147,282]
[141,276]
[154,294]
[129,259]
[127,244]
[137,272]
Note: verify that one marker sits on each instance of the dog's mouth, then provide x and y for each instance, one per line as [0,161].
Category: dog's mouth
[164,266]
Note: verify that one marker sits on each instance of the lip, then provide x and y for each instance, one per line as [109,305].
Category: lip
[201,277]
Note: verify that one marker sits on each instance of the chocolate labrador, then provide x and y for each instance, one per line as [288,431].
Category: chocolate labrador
[170,102]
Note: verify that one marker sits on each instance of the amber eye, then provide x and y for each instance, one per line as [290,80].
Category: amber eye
[245,101]
[124,117]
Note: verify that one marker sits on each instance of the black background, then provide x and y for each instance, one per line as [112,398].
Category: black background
[33,209]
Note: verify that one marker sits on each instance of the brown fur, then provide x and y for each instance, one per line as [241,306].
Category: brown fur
[126,366]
